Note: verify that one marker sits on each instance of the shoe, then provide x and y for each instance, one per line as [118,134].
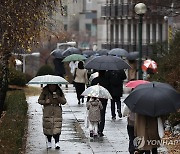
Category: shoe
[119,113]
[95,135]
[91,134]
[78,102]
[113,118]
[101,134]
[82,100]
[49,145]
[57,145]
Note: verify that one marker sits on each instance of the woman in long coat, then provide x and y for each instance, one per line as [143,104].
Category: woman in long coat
[147,129]
[52,98]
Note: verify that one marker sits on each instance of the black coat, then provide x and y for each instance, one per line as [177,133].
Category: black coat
[116,79]
[102,81]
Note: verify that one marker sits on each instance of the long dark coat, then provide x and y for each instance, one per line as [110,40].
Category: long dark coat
[52,113]
[116,79]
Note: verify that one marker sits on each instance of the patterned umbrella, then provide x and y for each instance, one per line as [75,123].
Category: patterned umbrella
[97,91]
[151,64]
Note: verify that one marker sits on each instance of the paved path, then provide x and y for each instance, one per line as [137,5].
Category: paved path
[75,137]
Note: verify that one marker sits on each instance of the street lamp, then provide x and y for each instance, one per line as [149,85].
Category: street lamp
[140,10]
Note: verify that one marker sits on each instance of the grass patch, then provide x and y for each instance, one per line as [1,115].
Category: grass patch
[13,123]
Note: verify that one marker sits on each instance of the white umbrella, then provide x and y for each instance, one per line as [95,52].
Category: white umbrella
[48,79]
[97,91]
[92,76]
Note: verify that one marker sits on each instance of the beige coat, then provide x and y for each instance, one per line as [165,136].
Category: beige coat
[81,76]
[146,127]
[94,107]
[52,113]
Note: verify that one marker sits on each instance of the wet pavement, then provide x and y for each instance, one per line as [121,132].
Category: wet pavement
[75,138]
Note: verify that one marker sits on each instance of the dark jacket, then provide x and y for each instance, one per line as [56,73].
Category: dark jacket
[116,79]
[102,81]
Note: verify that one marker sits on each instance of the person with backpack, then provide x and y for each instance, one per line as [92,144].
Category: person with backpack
[116,78]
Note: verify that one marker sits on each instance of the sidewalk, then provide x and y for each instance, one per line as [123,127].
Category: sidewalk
[75,137]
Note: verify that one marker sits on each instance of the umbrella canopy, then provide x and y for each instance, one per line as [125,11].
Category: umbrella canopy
[153,99]
[97,91]
[71,50]
[135,83]
[102,52]
[88,53]
[118,52]
[133,55]
[107,62]
[74,57]
[93,75]
[48,79]
[57,53]
[149,64]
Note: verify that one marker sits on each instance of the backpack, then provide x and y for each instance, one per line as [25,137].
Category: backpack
[117,77]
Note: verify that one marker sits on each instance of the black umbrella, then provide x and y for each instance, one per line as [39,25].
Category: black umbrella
[88,53]
[70,51]
[106,62]
[118,52]
[153,99]
[102,52]
[57,53]
[133,55]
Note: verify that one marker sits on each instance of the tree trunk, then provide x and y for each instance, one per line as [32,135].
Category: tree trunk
[4,82]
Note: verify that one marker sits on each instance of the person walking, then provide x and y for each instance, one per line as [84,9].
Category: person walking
[94,106]
[80,81]
[52,98]
[146,128]
[102,80]
[116,79]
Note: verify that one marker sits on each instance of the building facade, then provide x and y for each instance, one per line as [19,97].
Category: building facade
[122,25]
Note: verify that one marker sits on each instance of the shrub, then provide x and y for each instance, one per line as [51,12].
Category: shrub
[14,122]
[16,77]
[45,70]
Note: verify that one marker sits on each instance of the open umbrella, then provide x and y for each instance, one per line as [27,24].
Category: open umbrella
[118,52]
[74,57]
[135,83]
[151,64]
[153,99]
[70,51]
[48,79]
[107,62]
[133,55]
[57,53]
[88,53]
[97,91]
[102,52]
